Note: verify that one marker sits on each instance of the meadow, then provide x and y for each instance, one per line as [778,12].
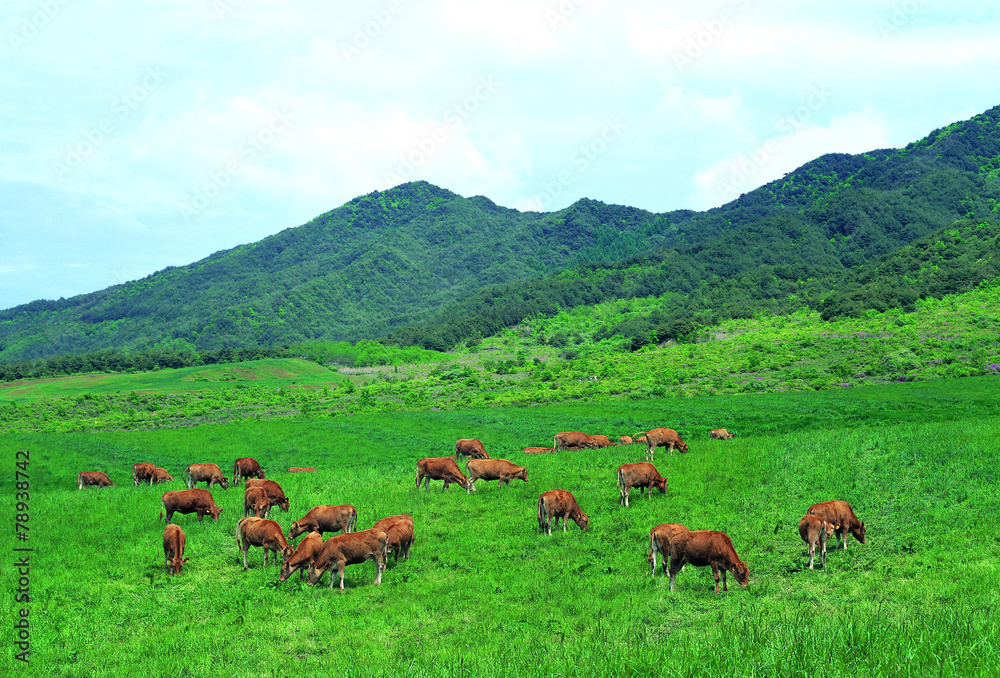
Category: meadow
[485,593]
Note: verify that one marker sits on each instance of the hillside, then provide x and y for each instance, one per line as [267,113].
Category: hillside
[432,268]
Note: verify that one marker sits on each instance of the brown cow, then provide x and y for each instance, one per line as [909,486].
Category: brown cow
[470,447]
[559,504]
[707,547]
[642,475]
[573,440]
[301,469]
[246,467]
[99,478]
[842,516]
[264,533]
[273,490]
[195,500]
[173,548]
[719,434]
[303,557]
[601,440]
[143,471]
[399,529]
[440,468]
[663,437]
[812,529]
[493,469]
[256,502]
[209,473]
[660,538]
[350,549]
[539,450]
[160,475]
[326,518]
[625,440]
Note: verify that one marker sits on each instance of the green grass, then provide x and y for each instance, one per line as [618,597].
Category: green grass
[485,593]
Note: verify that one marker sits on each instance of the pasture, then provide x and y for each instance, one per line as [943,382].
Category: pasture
[484,593]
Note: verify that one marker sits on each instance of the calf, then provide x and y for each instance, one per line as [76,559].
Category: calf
[841,514]
[246,467]
[264,533]
[642,475]
[99,478]
[160,475]
[559,504]
[143,471]
[660,538]
[274,491]
[493,469]
[256,502]
[440,468]
[719,434]
[194,500]
[470,447]
[326,518]
[303,557]
[664,437]
[173,548]
[301,469]
[539,450]
[813,529]
[350,549]
[573,440]
[208,473]
[707,547]
[399,530]
[625,440]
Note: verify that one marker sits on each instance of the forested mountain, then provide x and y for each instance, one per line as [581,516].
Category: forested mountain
[425,266]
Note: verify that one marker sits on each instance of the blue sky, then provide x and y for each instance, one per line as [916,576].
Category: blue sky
[138,136]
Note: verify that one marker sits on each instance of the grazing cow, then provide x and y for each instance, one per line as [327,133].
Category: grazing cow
[99,478]
[842,516]
[246,467]
[573,440]
[209,473]
[399,529]
[601,441]
[326,518]
[256,502]
[641,440]
[539,450]
[173,548]
[470,447]
[660,538]
[195,500]
[663,437]
[143,471]
[301,469]
[303,557]
[559,504]
[350,549]
[812,529]
[625,440]
[264,533]
[707,547]
[642,475]
[440,468]
[493,469]
[719,434]
[160,475]
[273,490]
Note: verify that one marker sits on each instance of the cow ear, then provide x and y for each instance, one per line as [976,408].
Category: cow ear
[183,562]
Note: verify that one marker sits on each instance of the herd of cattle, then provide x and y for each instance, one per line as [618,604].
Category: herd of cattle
[395,534]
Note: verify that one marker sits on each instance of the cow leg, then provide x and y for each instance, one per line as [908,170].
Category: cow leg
[715,575]
[341,566]
[812,552]
[201,514]
[380,565]
[245,546]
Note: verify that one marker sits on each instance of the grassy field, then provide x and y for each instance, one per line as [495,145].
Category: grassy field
[484,593]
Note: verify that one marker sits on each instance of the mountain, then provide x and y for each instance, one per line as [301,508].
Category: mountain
[426,266]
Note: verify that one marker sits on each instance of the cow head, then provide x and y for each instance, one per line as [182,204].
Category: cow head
[295,530]
[830,528]
[522,474]
[741,572]
[286,570]
[176,563]
[283,504]
[661,485]
[859,532]
[260,474]
[582,519]
[682,447]
[214,511]
[314,574]
[225,483]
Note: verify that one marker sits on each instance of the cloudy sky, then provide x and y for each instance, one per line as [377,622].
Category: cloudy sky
[139,135]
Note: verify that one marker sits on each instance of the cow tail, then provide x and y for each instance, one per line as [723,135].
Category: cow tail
[79,480]
[163,507]
[555,443]
[187,477]
[353,522]
[541,511]
[653,548]
[621,482]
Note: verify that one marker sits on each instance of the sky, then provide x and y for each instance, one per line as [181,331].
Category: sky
[137,136]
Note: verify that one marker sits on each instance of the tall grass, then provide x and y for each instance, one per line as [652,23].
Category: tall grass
[485,593]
